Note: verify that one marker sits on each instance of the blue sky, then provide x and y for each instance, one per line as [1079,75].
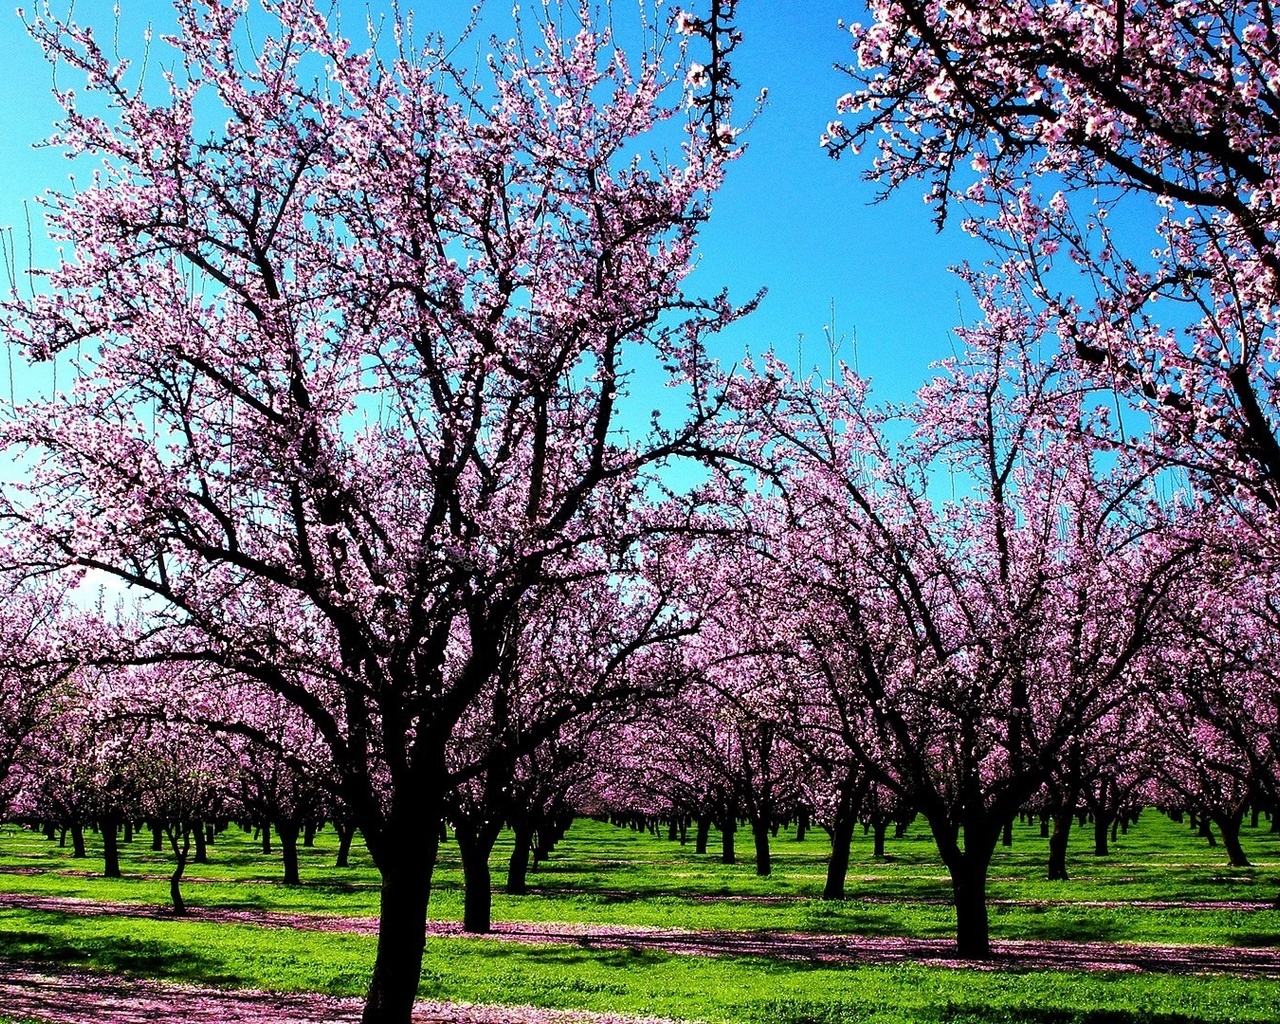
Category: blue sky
[789,219]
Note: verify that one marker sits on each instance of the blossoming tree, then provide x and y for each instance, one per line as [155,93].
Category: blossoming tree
[963,644]
[351,362]
[1041,118]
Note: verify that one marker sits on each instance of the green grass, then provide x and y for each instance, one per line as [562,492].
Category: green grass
[603,874]
[687,987]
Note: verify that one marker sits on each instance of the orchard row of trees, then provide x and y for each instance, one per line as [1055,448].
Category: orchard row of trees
[351,334]
[838,639]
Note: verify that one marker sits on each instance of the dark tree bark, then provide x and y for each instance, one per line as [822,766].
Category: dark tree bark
[475,845]
[287,832]
[1058,846]
[1206,832]
[703,833]
[518,867]
[879,827]
[1102,822]
[180,841]
[838,865]
[802,824]
[972,926]
[405,854]
[266,838]
[202,851]
[764,861]
[77,839]
[110,850]
[1229,827]
[727,832]
[346,832]
[156,843]
[968,868]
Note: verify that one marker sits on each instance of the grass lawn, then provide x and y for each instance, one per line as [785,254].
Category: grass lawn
[601,874]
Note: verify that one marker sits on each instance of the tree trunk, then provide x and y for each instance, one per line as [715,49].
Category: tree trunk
[518,868]
[202,851]
[475,845]
[128,830]
[703,834]
[1101,824]
[309,835]
[838,865]
[1206,832]
[968,868]
[77,839]
[972,928]
[110,851]
[156,844]
[180,852]
[764,862]
[880,827]
[1058,846]
[345,834]
[1044,826]
[1006,834]
[727,832]
[406,858]
[802,825]
[1229,826]
[287,832]
[266,838]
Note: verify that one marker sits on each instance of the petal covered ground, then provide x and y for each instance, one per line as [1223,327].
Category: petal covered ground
[64,996]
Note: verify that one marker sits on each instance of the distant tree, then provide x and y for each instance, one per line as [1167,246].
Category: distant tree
[575,656]
[36,660]
[283,767]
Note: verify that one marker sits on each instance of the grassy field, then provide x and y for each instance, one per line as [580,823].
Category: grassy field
[604,875]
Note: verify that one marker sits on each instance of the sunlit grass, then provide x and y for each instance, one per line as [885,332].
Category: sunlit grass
[607,875]
[685,987]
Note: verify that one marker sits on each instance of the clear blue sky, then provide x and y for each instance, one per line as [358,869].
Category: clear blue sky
[789,219]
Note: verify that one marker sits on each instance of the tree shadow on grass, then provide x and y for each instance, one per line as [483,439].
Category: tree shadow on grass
[1263,940]
[1039,1015]
[122,954]
[805,1011]
[1092,929]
